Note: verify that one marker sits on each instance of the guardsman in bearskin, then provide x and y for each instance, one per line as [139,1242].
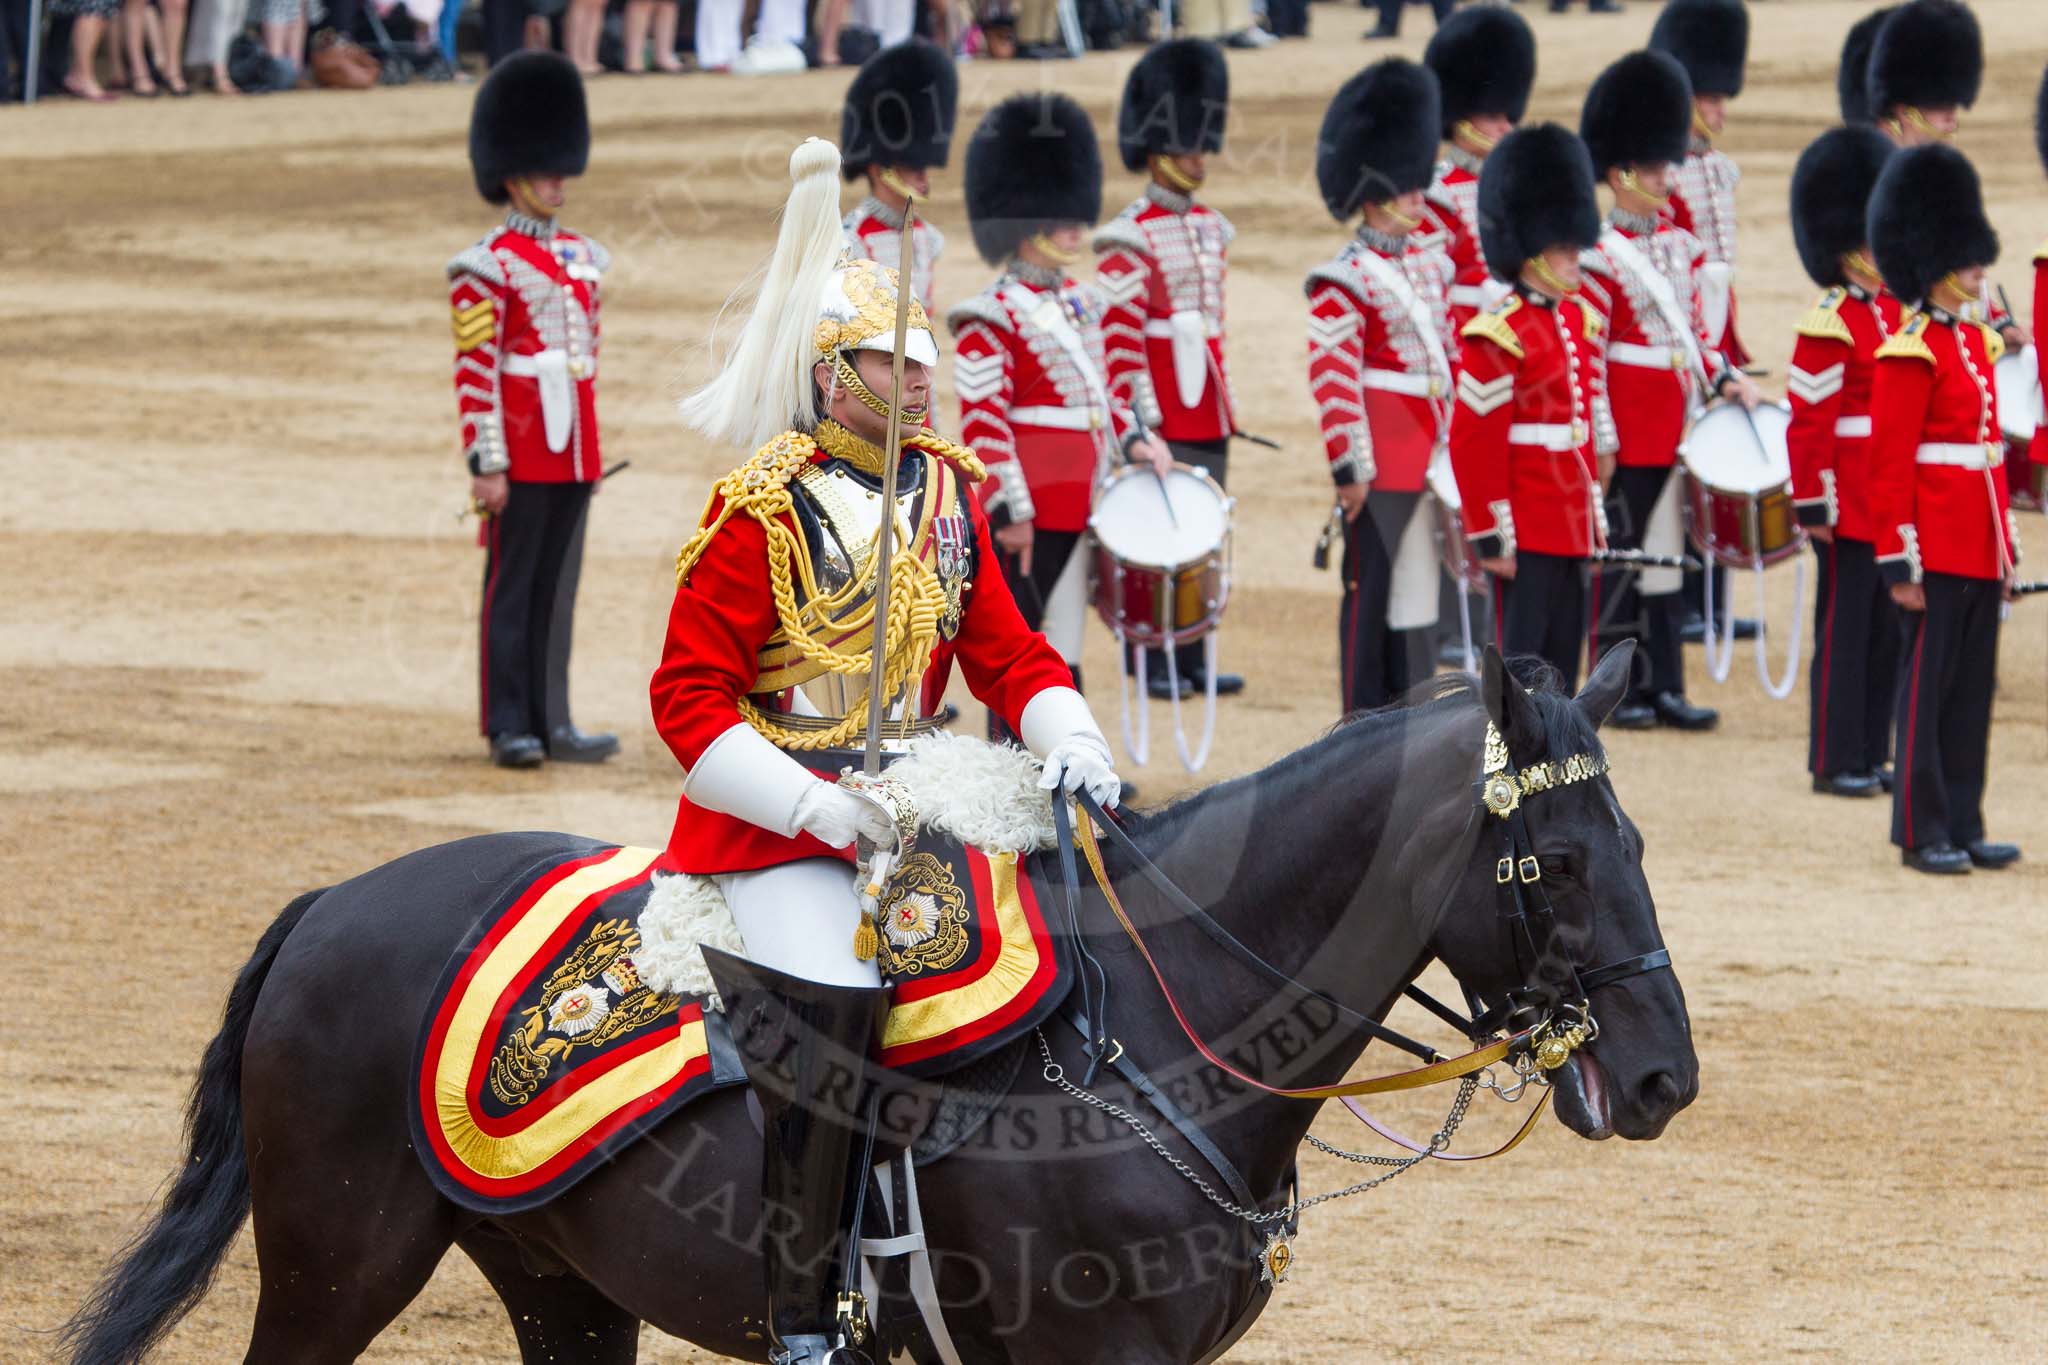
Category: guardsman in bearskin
[1946,543]
[1035,402]
[1643,279]
[1379,366]
[1529,385]
[762,692]
[1856,625]
[1924,66]
[526,334]
[1160,267]
[1485,64]
[1852,73]
[2037,476]
[1710,39]
[896,127]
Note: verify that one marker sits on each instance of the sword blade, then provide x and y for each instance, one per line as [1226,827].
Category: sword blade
[892,454]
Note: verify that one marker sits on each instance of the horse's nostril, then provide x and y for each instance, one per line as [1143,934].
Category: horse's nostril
[1659,1090]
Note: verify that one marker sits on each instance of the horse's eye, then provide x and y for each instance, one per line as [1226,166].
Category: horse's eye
[1556,868]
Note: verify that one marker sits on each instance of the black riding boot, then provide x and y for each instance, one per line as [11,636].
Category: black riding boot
[805,1047]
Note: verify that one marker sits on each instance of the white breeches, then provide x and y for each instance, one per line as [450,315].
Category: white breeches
[1066,606]
[1665,535]
[781,20]
[799,918]
[1412,592]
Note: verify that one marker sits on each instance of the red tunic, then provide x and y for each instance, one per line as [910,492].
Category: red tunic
[1452,214]
[723,616]
[1522,430]
[1829,384]
[1162,258]
[1379,359]
[1936,456]
[2038,452]
[874,231]
[1034,404]
[1650,384]
[525,316]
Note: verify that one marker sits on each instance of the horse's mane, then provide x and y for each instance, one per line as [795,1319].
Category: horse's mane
[1566,730]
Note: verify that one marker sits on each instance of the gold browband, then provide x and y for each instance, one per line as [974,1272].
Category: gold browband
[1502,791]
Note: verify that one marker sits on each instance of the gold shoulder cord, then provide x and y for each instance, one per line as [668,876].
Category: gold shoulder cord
[760,489]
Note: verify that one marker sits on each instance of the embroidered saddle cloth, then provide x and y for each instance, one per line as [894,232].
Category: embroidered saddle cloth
[546,1049]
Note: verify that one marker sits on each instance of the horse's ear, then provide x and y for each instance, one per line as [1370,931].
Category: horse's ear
[1602,692]
[1510,708]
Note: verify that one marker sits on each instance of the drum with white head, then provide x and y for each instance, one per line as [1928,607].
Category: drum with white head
[1162,554]
[1739,485]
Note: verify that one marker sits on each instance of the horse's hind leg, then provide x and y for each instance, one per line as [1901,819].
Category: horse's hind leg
[556,1313]
[340,1252]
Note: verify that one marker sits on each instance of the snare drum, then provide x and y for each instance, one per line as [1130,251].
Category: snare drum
[1458,560]
[2018,381]
[1161,579]
[1739,485]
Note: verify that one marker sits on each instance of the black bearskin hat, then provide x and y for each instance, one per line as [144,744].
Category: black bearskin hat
[2041,120]
[1831,186]
[529,119]
[1852,77]
[1485,63]
[1535,192]
[1927,219]
[1710,39]
[899,110]
[1175,101]
[1928,55]
[1638,111]
[1032,165]
[1379,137]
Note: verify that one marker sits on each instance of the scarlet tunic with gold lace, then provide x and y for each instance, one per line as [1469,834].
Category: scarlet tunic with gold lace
[772,604]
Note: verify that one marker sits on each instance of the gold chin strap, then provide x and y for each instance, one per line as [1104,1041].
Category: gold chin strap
[1635,186]
[1549,279]
[1402,220]
[1164,167]
[1463,131]
[1949,281]
[894,183]
[1058,255]
[1860,263]
[1911,114]
[528,203]
[1699,125]
[850,380]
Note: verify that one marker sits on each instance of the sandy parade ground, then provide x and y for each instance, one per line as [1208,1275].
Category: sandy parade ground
[237,660]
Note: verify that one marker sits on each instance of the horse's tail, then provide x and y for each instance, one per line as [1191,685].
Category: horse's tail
[165,1270]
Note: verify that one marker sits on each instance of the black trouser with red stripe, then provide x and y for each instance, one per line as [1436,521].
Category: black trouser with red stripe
[1376,663]
[529,606]
[1855,661]
[1655,623]
[1944,713]
[1542,611]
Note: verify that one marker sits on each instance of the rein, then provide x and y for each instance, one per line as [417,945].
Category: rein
[1550,1010]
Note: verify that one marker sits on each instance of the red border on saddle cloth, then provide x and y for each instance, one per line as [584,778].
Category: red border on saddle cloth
[596,1069]
[989,935]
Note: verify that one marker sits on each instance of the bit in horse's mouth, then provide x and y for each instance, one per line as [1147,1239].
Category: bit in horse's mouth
[1583,1099]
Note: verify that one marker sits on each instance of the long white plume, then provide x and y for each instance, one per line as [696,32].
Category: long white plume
[764,387]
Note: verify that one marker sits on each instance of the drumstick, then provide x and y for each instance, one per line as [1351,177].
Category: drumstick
[1165,497]
[1266,441]
[1643,559]
[2030,587]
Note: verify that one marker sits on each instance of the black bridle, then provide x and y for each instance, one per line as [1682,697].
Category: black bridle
[1552,984]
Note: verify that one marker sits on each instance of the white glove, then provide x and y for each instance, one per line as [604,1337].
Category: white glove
[1084,761]
[835,817]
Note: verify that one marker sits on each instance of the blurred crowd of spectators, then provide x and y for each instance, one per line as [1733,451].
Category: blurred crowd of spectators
[99,50]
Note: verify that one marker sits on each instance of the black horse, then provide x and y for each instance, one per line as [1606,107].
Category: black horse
[1350,865]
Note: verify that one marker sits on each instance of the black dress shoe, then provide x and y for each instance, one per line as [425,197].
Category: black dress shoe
[1382,32]
[518,751]
[1603,7]
[1990,855]
[1745,627]
[1227,684]
[1884,778]
[1848,784]
[1161,687]
[567,744]
[1941,860]
[1633,715]
[1675,711]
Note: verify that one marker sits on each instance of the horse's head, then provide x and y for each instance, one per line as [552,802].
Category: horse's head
[1640,1069]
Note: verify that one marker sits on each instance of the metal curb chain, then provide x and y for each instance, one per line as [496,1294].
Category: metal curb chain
[1056,1075]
